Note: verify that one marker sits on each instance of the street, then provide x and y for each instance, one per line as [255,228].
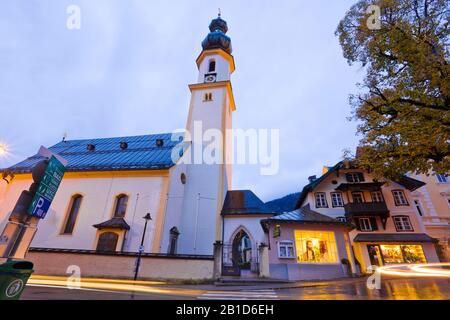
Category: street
[355,289]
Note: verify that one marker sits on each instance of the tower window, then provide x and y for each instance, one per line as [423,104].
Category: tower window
[208,96]
[212,66]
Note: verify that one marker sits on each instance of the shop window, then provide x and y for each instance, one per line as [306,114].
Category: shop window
[321,200]
[286,249]
[107,242]
[402,254]
[354,177]
[75,203]
[377,196]
[402,223]
[121,206]
[399,198]
[336,199]
[316,247]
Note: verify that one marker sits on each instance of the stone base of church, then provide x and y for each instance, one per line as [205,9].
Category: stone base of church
[58,262]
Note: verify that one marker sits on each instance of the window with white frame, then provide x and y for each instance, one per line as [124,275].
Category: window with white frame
[354,177]
[341,219]
[336,199]
[377,196]
[442,178]
[321,200]
[364,224]
[402,223]
[399,198]
[286,249]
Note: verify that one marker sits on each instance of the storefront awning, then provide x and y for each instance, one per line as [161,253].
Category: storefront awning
[394,237]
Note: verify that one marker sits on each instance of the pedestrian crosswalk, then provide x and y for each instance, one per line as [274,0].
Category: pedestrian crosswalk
[259,294]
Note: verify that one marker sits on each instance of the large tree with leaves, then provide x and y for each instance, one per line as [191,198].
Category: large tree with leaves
[403,104]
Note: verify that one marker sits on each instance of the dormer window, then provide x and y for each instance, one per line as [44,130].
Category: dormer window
[212,66]
[354,177]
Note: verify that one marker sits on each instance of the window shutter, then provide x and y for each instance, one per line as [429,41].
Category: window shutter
[373,223]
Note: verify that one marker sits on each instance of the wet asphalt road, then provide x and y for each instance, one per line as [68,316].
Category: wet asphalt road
[392,289]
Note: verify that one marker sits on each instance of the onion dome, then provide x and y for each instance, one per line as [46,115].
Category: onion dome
[217,39]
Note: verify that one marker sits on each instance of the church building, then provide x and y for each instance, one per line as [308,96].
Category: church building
[112,183]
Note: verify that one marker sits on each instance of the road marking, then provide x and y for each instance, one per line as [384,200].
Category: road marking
[239,295]
[73,288]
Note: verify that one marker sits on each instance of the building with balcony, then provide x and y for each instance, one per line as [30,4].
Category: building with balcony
[388,229]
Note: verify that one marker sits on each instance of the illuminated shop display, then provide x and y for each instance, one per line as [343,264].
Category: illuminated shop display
[402,254]
[316,247]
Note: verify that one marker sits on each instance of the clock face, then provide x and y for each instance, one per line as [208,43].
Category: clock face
[210,78]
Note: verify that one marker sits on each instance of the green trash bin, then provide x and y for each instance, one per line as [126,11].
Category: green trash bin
[14,275]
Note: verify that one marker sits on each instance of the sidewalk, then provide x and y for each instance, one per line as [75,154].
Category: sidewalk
[270,285]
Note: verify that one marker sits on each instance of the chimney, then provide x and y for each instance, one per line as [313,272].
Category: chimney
[311,178]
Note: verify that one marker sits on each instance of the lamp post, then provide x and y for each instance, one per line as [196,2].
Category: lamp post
[147,218]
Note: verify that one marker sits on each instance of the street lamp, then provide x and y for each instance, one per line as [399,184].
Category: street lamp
[147,218]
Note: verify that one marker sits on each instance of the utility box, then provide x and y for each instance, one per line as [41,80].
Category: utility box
[14,275]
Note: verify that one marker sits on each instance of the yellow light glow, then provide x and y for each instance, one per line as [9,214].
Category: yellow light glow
[3,149]
[110,284]
[416,270]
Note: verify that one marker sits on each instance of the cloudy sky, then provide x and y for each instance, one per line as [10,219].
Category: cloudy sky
[126,71]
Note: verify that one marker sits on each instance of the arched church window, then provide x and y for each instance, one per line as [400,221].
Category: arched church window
[121,206]
[72,214]
[212,66]
[107,242]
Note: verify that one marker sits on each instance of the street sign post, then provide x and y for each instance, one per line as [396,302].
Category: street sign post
[47,188]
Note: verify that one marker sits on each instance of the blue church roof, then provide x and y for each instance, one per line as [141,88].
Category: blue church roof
[141,152]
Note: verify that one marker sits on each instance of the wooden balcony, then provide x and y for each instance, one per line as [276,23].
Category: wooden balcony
[366,209]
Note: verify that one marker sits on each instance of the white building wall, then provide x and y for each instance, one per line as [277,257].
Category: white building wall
[97,206]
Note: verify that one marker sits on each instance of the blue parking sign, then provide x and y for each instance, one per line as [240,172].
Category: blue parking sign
[47,188]
[40,206]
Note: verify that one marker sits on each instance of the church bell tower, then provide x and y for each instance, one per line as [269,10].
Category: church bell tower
[211,107]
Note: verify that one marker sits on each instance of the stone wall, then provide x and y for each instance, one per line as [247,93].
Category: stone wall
[92,264]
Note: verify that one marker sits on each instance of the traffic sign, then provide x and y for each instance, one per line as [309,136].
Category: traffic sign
[47,188]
